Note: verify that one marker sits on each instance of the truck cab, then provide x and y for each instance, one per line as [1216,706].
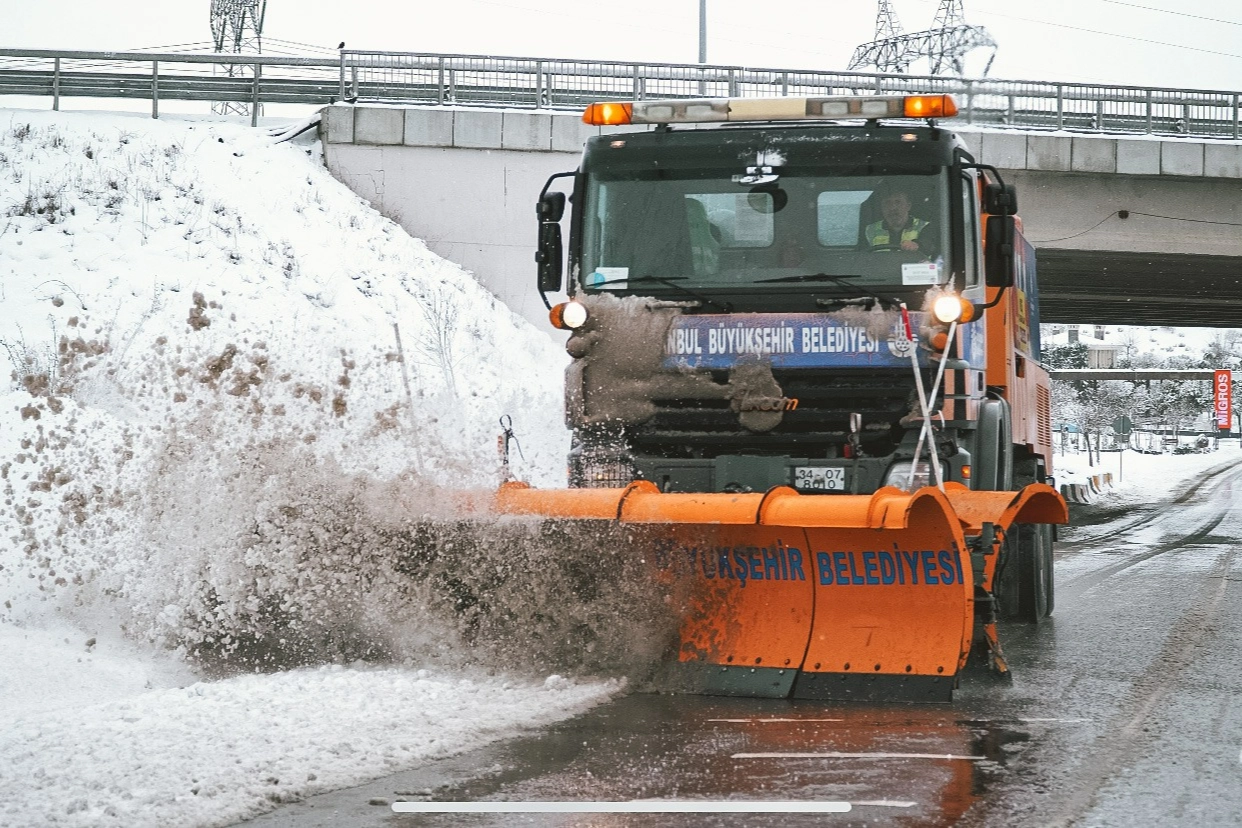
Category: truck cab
[752,287]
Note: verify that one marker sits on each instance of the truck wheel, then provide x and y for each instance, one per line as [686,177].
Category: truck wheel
[1049,533]
[1032,545]
[993,457]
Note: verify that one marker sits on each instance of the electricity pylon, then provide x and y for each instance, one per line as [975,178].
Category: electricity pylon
[236,28]
[945,45]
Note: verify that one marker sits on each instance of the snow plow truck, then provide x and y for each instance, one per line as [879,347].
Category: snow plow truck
[805,371]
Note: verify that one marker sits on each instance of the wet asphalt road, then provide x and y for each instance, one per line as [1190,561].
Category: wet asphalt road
[1126,710]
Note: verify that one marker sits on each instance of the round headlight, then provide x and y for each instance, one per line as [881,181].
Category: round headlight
[952,308]
[568,316]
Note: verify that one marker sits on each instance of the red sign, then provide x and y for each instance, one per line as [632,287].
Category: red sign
[1221,395]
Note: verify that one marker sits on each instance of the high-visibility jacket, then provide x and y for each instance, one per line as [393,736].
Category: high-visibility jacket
[878,235]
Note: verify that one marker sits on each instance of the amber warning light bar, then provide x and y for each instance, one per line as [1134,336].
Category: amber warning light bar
[705,110]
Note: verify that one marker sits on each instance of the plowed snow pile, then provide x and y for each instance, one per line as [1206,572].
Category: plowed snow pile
[237,395]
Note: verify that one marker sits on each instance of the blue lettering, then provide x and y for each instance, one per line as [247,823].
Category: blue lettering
[740,566]
[957,561]
[855,578]
[838,559]
[771,564]
[823,562]
[795,564]
[869,567]
[929,567]
[780,548]
[756,570]
[948,575]
[723,567]
[912,563]
[741,571]
[888,569]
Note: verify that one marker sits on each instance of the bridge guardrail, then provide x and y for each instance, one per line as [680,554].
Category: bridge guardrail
[549,83]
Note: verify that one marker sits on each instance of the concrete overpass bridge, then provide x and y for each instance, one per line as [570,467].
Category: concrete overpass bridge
[1129,229]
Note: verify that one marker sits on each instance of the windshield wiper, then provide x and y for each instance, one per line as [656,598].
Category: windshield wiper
[670,281]
[813,277]
[866,301]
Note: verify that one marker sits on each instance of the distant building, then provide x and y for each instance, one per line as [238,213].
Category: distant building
[1100,353]
[1101,356]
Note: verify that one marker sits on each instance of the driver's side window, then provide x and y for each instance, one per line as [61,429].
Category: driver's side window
[970,221]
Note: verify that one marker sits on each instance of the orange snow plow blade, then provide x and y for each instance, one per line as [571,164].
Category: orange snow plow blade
[811,596]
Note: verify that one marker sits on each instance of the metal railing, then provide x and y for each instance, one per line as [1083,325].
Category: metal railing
[547,83]
[248,79]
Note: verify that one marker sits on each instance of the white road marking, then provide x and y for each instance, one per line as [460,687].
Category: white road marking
[838,755]
[884,803]
[641,806]
[766,721]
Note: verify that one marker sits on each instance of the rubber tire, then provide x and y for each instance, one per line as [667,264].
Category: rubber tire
[1050,534]
[1031,547]
[993,453]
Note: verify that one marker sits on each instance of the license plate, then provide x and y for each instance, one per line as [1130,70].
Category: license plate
[827,479]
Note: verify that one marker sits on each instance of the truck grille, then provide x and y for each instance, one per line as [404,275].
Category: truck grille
[825,401]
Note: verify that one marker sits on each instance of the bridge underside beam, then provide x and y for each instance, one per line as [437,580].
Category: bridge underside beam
[1125,288]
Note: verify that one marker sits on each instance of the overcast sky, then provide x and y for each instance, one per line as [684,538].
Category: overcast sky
[1143,42]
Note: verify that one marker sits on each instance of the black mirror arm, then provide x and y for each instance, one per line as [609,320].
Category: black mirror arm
[995,301]
[548,184]
[987,167]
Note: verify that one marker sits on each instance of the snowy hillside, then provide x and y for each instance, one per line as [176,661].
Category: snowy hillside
[236,394]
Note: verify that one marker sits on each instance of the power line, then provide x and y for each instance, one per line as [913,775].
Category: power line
[312,46]
[1170,11]
[1123,36]
[1117,214]
[1114,34]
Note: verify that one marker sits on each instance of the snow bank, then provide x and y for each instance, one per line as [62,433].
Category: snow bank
[214,753]
[239,397]
[218,348]
[1144,478]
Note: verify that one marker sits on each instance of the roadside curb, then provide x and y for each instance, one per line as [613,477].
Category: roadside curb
[1087,492]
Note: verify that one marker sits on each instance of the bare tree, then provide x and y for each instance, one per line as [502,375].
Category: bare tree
[440,310]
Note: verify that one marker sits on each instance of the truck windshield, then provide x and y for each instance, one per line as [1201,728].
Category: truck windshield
[709,230]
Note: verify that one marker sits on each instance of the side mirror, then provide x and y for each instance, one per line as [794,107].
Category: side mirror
[1000,199]
[550,208]
[999,254]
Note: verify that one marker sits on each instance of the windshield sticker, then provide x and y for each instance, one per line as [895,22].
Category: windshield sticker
[603,275]
[920,273]
[786,340]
